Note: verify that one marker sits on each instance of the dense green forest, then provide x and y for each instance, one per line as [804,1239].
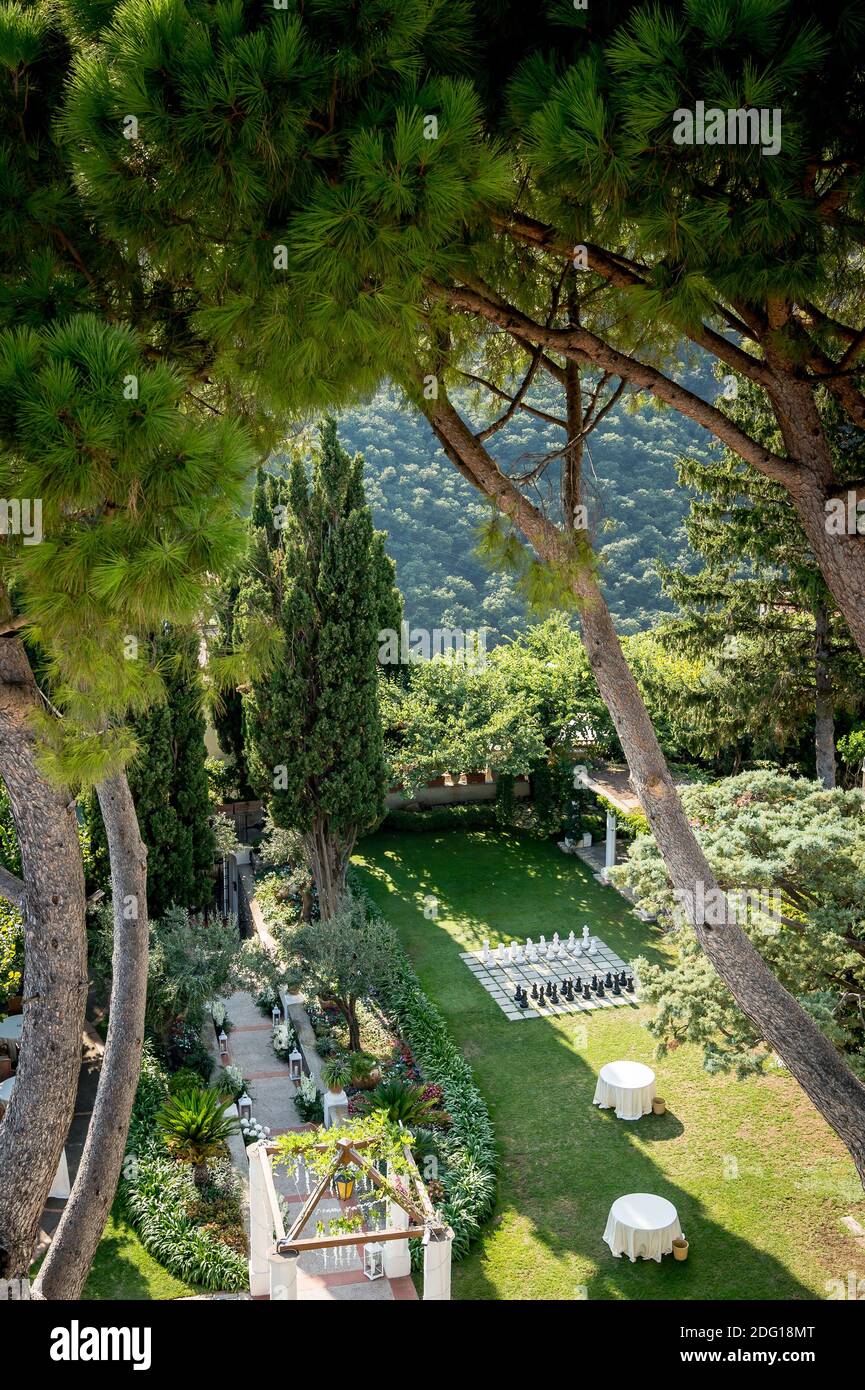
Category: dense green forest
[637,508]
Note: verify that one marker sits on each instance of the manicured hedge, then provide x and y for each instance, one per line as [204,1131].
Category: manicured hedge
[469,1146]
[471,816]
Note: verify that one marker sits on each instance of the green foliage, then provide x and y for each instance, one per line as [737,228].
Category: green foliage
[342,959]
[336,1073]
[403,1103]
[468,1148]
[158,1200]
[471,816]
[168,780]
[795,854]
[195,1125]
[11,953]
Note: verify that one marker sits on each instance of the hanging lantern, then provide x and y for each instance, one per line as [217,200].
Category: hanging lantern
[344,1184]
[373,1260]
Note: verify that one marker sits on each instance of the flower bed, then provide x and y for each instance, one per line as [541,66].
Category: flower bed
[195,1232]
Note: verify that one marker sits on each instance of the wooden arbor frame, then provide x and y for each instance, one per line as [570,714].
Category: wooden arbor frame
[413,1214]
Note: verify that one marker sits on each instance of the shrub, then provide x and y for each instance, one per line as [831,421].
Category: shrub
[308,1102]
[478,816]
[195,1126]
[468,1148]
[409,1105]
[159,1200]
[336,1073]
[187,1079]
[229,1081]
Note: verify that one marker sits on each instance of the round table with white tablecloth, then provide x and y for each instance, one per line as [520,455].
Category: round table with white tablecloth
[10,1033]
[61,1186]
[626,1087]
[642,1226]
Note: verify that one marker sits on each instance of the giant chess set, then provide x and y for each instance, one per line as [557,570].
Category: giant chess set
[556,977]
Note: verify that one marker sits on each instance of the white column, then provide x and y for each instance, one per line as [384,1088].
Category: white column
[260,1223]
[610,856]
[397,1258]
[437,1266]
[283,1276]
[331,1103]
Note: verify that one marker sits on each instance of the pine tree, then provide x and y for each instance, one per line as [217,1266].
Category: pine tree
[322,584]
[758,610]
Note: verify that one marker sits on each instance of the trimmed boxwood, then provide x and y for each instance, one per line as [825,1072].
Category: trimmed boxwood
[469,816]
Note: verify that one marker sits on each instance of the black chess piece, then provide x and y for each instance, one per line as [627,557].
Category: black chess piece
[630,984]
[578,984]
[518,996]
[549,988]
[600,990]
[623,975]
[535,990]
[587,993]
[524,1000]
[609,981]
[555,995]
[616,989]
[594,982]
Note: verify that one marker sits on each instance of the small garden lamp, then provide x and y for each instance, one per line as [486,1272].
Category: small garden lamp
[295,1062]
[244,1106]
[373,1260]
[223,1043]
[277,1015]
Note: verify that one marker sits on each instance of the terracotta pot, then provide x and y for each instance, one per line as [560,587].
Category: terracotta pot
[680,1248]
[659,1106]
[14,1004]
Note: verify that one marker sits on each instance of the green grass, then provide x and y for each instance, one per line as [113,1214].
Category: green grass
[773,1231]
[122,1268]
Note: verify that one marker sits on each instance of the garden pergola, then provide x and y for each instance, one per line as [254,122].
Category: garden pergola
[274,1252]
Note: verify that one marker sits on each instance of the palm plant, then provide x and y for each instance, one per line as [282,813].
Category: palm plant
[404,1103]
[195,1126]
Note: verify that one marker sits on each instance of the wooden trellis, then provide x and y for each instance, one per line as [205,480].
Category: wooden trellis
[274,1271]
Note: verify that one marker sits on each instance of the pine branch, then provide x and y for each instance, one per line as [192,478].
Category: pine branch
[584,346]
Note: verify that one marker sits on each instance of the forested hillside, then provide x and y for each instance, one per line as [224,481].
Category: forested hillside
[431,514]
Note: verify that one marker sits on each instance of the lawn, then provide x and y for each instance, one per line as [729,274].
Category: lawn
[122,1268]
[760,1182]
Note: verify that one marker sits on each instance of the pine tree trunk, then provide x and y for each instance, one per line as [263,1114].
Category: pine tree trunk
[824,721]
[40,1111]
[68,1261]
[780,1020]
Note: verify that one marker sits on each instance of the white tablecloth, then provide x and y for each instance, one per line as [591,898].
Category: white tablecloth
[626,1087]
[642,1226]
[60,1187]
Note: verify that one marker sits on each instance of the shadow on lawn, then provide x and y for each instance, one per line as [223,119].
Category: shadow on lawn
[563,1161]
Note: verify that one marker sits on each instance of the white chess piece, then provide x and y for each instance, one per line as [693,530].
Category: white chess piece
[542,945]
[572,942]
[485,954]
[585,936]
[531,951]
[512,952]
[499,956]
[594,946]
[517,956]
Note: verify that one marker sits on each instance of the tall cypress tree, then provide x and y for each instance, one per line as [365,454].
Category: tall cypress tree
[169,782]
[320,582]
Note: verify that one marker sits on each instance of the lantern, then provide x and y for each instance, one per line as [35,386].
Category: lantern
[277,1015]
[223,1043]
[373,1260]
[244,1107]
[295,1062]
[344,1184]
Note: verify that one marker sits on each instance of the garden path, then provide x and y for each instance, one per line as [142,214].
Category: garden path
[323,1274]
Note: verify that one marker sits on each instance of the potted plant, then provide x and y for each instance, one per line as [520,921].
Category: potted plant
[336,1074]
[680,1248]
[343,1182]
[659,1106]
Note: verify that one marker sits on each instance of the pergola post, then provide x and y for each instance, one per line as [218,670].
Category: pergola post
[610,855]
[283,1276]
[397,1257]
[437,1265]
[260,1222]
